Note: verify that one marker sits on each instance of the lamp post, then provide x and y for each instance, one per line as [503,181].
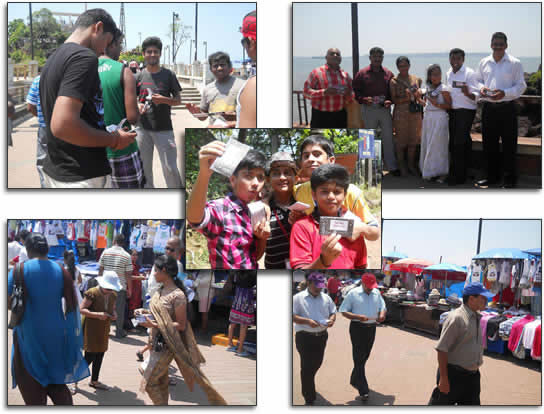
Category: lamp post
[174,17]
[31,35]
[140,34]
[205,49]
[190,50]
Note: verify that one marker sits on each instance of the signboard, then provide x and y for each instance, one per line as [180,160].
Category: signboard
[366,144]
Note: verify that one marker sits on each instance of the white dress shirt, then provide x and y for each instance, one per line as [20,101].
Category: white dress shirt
[318,308]
[506,75]
[458,98]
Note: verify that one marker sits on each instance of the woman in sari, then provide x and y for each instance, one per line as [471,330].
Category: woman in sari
[172,338]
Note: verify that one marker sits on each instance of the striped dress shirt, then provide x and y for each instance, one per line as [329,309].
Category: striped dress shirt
[322,78]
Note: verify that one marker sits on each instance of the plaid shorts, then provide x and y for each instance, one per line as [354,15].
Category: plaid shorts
[127,171]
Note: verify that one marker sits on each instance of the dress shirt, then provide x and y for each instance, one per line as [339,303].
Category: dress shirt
[461,339]
[506,75]
[359,302]
[317,308]
[458,98]
[369,83]
[322,78]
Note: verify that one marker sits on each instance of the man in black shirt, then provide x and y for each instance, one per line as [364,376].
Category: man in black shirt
[163,88]
[71,99]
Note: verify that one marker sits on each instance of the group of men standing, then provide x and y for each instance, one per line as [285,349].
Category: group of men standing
[87,100]
[459,349]
[497,82]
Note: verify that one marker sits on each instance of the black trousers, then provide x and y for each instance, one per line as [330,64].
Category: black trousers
[321,119]
[32,391]
[94,358]
[464,388]
[311,349]
[500,121]
[362,339]
[460,145]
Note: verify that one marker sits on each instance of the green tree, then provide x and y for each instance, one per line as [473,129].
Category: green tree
[183,33]
[47,33]
[18,35]
[133,54]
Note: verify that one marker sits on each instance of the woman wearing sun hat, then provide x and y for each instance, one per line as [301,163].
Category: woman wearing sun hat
[98,309]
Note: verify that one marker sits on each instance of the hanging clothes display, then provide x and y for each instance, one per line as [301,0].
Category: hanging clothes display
[161,237]
[101,237]
[109,234]
[70,231]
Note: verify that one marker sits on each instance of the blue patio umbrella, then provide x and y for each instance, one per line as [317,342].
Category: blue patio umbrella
[534,252]
[395,255]
[503,253]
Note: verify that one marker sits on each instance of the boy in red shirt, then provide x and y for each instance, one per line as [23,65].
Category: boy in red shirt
[309,249]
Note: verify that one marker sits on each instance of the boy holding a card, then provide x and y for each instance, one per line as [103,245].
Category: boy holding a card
[226,222]
[315,151]
[322,239]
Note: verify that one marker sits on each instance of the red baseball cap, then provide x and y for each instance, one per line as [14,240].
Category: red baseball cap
[249,26]
[369,280]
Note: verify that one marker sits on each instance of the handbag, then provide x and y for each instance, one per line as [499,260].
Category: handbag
[16,302]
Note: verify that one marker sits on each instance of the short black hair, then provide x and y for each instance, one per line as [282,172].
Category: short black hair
[430,70]
[117,35]
[23,235]
[168,264]
[330,172]
[218,56]
[499,35]
[457,51]
[93,16]
[152,41]
[317,139]
[374,50]
[253,159]
[401,59]
[36,245]
[119,239]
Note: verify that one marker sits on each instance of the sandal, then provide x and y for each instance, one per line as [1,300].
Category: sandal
[232,348]
[140,356]
[99,386]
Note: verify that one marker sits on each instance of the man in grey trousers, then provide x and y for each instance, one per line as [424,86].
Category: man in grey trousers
[371,87]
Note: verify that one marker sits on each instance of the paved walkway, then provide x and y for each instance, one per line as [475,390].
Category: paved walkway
[22,171]
[401,370]
[235,378]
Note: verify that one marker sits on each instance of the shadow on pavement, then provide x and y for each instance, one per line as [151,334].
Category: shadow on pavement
[180,392]
[130,340]
[374,398]
[114,396]
[528,363]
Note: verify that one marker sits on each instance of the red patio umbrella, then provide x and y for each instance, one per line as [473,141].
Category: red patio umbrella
[410,265]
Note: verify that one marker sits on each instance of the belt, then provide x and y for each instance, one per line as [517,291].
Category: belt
[320,333]
[499,103]
[366,325]
[461,369]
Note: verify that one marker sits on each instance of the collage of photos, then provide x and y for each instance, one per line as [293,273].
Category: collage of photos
[373,292]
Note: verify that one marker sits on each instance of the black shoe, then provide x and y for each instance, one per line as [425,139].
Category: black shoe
[309,403]
[509,182]
[362,397]
[395,173]
[140,356]
[485,183]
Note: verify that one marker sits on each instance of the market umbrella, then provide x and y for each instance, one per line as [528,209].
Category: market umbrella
[409,265]
[395,255]
[533,252]
[445,271]
[503,253]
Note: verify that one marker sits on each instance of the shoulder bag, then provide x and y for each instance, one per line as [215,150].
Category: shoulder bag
[17,300]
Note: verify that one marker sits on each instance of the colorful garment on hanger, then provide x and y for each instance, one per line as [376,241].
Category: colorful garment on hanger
[101,237]
[161,237]
[516,331]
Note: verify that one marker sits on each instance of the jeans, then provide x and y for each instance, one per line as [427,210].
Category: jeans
[168,154]
[120,304]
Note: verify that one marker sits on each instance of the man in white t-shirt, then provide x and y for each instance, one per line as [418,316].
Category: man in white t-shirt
[16,249]
[172,249]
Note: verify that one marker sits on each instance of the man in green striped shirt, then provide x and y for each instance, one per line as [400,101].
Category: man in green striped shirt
[119,95]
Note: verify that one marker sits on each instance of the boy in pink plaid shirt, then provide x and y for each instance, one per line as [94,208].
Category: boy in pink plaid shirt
[226,222]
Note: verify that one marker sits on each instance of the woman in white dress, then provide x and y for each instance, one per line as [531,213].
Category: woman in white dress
[433,160]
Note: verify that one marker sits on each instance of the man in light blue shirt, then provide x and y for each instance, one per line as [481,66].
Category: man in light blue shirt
[34,107]
[313,313]
[365,307]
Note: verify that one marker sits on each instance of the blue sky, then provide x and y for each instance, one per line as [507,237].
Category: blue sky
[416,27]
[218,23]
[456,240]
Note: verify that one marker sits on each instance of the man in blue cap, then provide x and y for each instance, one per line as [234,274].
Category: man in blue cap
[460,350]
[313,313]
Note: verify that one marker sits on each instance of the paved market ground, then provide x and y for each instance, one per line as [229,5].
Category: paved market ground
[402,371]
[234,377]
[22,171]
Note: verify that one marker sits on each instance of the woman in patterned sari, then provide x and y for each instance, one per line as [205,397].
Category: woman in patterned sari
[172,338]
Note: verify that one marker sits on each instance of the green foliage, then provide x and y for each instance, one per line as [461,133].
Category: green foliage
[48,34]
[345,140]
[535,82]
[18,33]
[19,56]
